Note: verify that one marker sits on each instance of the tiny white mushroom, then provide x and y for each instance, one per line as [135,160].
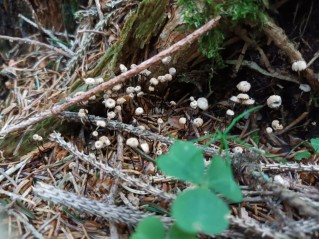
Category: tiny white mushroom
[154,81]
[305,87]
[166,60]
[99,80]
[118,109]
[137,88]
[95,133]
[299,65]
[243,86]
[172,103]
[160,121]
[98,144]
[100,123]
[89,81]
[198,122]
[111,115]
[82,113]
[193,104]
[105,140]
[230,112]
[182,120]
[130,89]
[132,142]
[120,101]
[139,111]
[159,152]
[161,79]
[151,88]
[146,72]
[237,150]
[133,66]
[145,147]
[35,137]
[242,96]
[109,103]
[274,101]
[276,125]
[117,87]
[234,99]
[191,98]
[172,71]
[131,95]
[140,94]
[123,68]
[248,102]
[168,77]
[269,130]
[202,103]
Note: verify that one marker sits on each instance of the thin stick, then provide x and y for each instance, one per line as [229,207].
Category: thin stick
[37,43]
[56,109]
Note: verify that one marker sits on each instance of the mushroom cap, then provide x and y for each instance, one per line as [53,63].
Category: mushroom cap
[139,111]
[274,101]
[234,99]
[299,65]
[243,86]
[305,87]
[230,112]
[242,96]
[202,103]
[198,122]
[248,102]
[132,142]
[276,125]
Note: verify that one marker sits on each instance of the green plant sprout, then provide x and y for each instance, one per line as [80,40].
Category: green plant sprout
[199,209]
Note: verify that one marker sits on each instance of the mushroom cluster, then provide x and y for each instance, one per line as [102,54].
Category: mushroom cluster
[243,98]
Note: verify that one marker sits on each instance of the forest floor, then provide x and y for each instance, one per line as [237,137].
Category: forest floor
[91,158]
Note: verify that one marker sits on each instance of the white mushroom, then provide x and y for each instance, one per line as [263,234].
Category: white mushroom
[242,96]
[248,102]
[145,147]
[117,87]
[234,99]
[111,115]
[109,103]
[166,60]
[243,86]
[237,150]
[230,112]
[269,130]
[198,122]
[305,87]
[202,103]
[299,65]
[105,140]
[123,68]
[172,71]
[193,104]
[132,142]
[98,144]
[100,123]
[130,89]
[274,101]
[276,125]
[182,120]
[139,111]
[154,81]
[120,101]
[89,81]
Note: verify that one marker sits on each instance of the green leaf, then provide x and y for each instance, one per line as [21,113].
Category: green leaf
[315,144]
[183,161]
[221,180]
[177,233]
[150,227]
[200,210]
[302,155]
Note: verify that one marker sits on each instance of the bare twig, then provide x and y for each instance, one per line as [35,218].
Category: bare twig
[36,43]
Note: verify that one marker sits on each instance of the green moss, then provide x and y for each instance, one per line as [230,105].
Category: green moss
[140,26]
[233,12]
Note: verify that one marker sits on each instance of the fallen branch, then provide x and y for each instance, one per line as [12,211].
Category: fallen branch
[56,109]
